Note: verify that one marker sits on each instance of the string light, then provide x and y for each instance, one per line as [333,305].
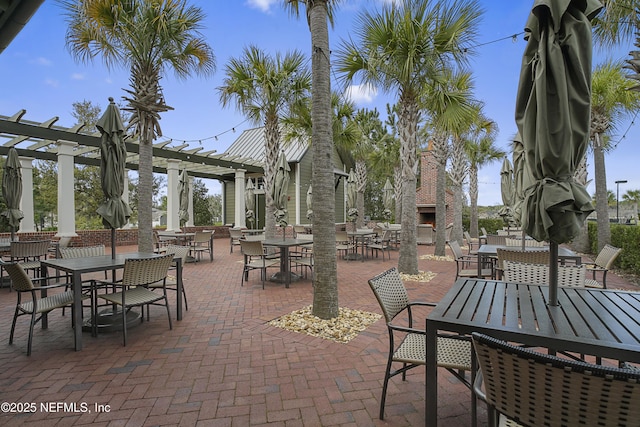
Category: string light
[633,121]
[199,140]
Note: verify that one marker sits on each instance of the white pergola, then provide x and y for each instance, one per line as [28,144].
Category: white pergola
[69,146]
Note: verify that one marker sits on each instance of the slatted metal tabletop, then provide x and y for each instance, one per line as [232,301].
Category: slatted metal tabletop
[604,323]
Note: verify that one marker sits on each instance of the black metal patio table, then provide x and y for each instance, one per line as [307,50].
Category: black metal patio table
[285,275]
[597,322]
[79,266]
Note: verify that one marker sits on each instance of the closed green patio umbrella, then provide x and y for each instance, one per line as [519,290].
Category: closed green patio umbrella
[553,116]
[352,190]
[250,201]
[387,199]
[183,194]
[114,211]
[12,190]
[280,191]
[309,203]
[506,191]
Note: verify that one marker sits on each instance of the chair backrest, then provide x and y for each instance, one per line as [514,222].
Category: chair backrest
[607,256]
[305,237]
[82,251]
[390,293]
[517,242]
[342,236]
[202,236]
[448,231]
[20,280]
[424,233]
[538,274]
[255,237]
[64,241]
[30,249]
[299,229]
[178,251]
[518,255]
[144,271]
[235,233]
[539,389]
[494,239]
[455,248]
[483,231]
[252,247]
[467,236]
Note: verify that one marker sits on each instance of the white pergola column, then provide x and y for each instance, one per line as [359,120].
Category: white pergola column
[27,225]
[173,196]
[66,199]
[190,220]
[240,218]
[223,204]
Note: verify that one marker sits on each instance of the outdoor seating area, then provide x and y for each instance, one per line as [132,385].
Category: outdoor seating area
[223,362]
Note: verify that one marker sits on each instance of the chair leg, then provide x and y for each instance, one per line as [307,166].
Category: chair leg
[184,294]
[13,324]
[383,398]
[124,325]
[31,326]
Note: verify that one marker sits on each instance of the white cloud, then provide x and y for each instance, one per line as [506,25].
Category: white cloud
[77,76]
[52,82]
[361,93]
[42,61]
[263,5]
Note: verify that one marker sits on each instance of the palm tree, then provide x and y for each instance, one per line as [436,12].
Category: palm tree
[617,23]
[611,101]
[480,151]
[264,88]
[448,103]
[401,49]
[149,37]
[325,279]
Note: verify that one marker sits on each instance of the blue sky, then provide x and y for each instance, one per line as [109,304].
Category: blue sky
[41,76]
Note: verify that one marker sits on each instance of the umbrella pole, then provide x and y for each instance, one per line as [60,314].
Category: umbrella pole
[553,274]
[113,243]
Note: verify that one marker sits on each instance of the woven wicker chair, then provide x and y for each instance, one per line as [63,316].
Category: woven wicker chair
[381,244]
[137,274]
[36,306]
[202,242]
[603,262]
[235,235]
[407,345]
[526,388]
[171,282]
[343,243]
[518,255]
[467,265]
[83,252]
[472,244]
[494,239]
[424,235]
[538,274]
[517,242]
[29,254]
[255,258]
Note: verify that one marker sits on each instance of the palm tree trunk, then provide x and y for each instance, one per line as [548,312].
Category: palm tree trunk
[408,126]
[602,205]
[272,147]
[473,195]
[581,242]
[441,210]
[325,277]
[397,192]
[145,192]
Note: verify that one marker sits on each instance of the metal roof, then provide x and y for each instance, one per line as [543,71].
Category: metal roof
[39,140]
[250,144]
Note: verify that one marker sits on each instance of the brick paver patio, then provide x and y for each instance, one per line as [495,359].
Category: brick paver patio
[222,365]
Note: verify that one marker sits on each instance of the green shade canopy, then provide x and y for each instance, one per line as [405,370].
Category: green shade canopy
[553,114]
[114,211]
[280,190]
[183,194]
[12,190]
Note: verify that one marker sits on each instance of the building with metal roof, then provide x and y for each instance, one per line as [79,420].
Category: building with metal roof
[251,144]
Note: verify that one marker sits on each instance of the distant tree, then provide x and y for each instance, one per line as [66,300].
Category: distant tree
[87,113]
[201,213]
[215,206]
